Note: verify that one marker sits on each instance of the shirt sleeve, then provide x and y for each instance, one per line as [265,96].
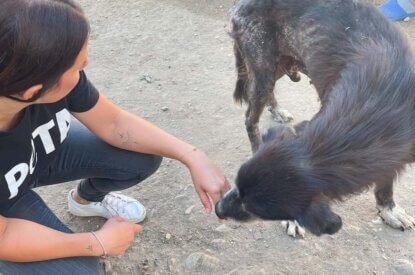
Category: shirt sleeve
[83,97]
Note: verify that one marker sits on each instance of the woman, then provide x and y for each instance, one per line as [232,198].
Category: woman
[43,51]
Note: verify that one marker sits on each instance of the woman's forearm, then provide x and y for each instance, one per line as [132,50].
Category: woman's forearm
[136,134]
[130,132]
[26,241]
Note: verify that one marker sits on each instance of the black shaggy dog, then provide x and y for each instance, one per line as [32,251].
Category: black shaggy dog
[364,133]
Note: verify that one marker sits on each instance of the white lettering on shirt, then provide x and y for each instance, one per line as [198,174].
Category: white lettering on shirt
[33,158]
[63,118]
[43,132]
[17,175]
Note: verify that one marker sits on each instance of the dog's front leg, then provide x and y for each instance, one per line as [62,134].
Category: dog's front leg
[293,229]
[391,213]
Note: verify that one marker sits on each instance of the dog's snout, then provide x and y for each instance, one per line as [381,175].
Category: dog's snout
[218,210]
[222,205]
[230,206]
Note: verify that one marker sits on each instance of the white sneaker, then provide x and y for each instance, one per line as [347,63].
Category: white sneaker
[113,205]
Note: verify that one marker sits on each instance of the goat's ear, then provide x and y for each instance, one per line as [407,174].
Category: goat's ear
[280,132]
[319,219]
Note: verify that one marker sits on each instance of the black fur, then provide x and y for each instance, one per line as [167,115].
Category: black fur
[364,134]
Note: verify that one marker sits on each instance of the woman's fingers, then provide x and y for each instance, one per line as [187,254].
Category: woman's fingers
[137,228]
[204,198]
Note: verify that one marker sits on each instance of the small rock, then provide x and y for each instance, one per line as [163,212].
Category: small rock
[218,241]
[406,19]
[171,264]
[233,272]
[180,196]
[257,236]
[377,221]
[144,266]
[403,267]
[201,262]
[222,228]
[355,228]
[189,210]
[168,236]
[147,78]
[235,225]
[107,266]
[317,247]
[164,108]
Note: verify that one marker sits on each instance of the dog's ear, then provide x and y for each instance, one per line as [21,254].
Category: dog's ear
[319,219]
[280,132]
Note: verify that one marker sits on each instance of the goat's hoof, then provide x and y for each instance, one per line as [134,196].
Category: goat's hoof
[281,115]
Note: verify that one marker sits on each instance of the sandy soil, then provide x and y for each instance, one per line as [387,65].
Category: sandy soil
[171,62]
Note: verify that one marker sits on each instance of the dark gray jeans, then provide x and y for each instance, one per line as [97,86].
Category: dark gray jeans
[102,167]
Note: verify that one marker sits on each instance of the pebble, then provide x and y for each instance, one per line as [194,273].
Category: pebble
[164,108]
[222,228]
[107,266]
[201,262]
[218,241]
[147,78]
[233,272]
[171,264]
[377,221]
[257,236]
[403,267]
[189,210]
[168,236]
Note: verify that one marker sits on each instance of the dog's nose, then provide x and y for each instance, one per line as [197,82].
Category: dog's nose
[218,210]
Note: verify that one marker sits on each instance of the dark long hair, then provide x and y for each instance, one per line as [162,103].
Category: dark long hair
[39,41]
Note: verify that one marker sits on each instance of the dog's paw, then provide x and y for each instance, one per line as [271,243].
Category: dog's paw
[281,115]
[293,229]
[396,217]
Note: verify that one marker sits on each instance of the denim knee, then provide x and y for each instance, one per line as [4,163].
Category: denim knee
[139,167]
[146,167]
[155,164]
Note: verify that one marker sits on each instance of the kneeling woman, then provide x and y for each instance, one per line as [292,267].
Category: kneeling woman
[43,51]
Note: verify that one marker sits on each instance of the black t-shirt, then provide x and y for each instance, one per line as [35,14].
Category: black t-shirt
[33,144]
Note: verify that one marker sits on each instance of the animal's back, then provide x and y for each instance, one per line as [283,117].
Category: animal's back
[324,35]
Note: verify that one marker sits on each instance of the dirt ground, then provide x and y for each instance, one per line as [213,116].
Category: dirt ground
[171,62]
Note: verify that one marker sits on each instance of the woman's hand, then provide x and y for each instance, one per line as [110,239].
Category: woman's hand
[208,179]
[116,235]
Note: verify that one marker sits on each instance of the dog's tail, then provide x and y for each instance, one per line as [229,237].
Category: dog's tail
[240,94]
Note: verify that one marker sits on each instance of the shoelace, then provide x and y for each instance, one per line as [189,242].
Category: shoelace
[114,203]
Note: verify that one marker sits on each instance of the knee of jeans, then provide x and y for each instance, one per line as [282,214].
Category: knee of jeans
[155,164]
[152,163]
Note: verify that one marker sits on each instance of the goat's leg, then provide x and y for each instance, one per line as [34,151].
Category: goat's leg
[257,57]
[253,113]
[278,114]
